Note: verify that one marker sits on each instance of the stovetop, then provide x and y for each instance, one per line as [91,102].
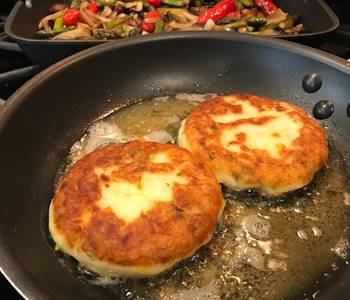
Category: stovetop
[16,69]
[6,290]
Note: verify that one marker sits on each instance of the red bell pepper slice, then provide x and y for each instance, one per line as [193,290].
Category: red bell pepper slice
[154,3]
[267,5]
[218,12]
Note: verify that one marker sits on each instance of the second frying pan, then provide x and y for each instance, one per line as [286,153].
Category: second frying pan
[22,24]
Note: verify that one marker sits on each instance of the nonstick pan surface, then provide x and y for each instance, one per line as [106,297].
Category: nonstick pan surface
[22,23]
[47,115]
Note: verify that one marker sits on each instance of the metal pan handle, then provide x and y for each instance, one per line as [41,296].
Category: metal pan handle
[19,73]
[2,105]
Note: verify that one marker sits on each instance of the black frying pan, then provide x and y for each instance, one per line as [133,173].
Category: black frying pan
[47,115]
[22,23]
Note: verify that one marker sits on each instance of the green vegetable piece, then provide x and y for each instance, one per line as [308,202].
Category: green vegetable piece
[171,13]
[175,3]
[256,22]
[235,25]
[58,24]
[126,29]
[174,11]
[288,23]
[159,26]
[113,23]
[46,34]
[75,4]
[247,3]
[146,6]
[103,34]
[169,16]
[110,3]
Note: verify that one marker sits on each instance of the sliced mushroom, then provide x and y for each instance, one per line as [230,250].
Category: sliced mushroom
[269,31]
[87,17]
[106,12]
[136,6]
[44,22]
[92,19]
[276,17]
[181,26]
[209,25]
[189,16]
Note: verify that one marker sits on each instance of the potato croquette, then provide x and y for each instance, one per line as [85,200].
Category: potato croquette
[135,209]
[256,143]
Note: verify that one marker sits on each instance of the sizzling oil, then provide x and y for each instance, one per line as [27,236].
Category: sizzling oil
[276,248]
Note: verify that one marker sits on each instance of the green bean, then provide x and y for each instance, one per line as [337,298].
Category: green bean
[256,22]
[103,34]
[247,3]
[235,25]
[175,3]
[46,34]
[110,3]
[146,6]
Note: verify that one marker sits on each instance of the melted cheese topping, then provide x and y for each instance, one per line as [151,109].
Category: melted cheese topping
[160,158]
[128,200]
[271,136]
[248,112]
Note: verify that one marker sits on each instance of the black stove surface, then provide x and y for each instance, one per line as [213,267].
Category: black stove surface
[7,292]
[16,69]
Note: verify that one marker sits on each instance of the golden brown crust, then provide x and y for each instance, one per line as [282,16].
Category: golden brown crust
[168,231]
[296,164]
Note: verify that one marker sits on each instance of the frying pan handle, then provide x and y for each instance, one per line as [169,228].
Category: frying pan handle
[338,42]
[2,104]
[19,73]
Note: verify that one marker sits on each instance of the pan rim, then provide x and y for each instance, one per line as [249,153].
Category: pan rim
[20,278]
[292,47]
